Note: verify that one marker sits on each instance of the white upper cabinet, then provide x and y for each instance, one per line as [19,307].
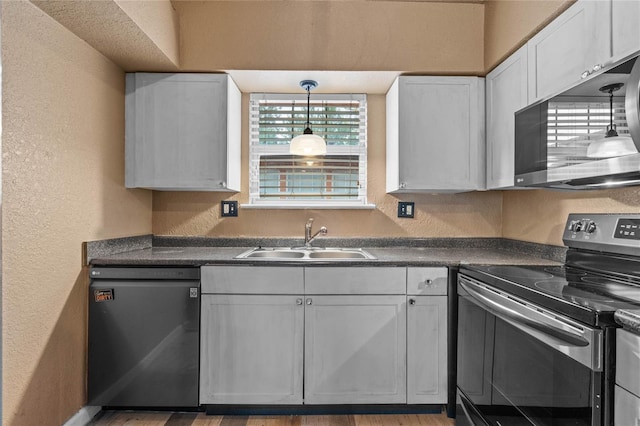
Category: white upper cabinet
[625,27]
[182,132]
[435,134]
[506,88]
[575,43]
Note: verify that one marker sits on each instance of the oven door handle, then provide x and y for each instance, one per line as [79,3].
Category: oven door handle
[515,315]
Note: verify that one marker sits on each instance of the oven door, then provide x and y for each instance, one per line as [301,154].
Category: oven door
[519,364]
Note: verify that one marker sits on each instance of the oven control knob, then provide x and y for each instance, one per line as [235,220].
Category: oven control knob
[591,227]
[576,226]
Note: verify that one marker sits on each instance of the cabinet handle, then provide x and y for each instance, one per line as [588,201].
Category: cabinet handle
[412,301]
[426,283]
[309,301]
[402,185]
[299,301]
[223,184]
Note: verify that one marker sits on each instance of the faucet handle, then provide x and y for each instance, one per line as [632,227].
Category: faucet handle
[309,221]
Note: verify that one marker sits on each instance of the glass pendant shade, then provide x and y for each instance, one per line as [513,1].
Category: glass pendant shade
[612,145]
[615,146]
[308,144]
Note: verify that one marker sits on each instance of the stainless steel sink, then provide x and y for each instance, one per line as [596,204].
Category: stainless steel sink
[275,254]
[306,254]
[341,254]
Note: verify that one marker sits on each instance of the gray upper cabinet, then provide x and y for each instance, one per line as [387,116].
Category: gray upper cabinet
[182,132]
[435,134]
[574,44]
[506,92]
[625,16]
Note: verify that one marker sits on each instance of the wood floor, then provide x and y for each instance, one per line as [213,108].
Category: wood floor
[137,418]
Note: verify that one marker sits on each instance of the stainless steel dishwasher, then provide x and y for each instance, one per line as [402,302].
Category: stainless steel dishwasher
[144,336]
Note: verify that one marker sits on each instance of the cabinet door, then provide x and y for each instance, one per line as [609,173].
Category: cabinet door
[506,93]
[427,350]
[177,129]
[573,43]
[625,15]
[251,349]
[355,350]
[439,135]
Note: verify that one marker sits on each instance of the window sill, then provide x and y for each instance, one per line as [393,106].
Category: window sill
[305,206]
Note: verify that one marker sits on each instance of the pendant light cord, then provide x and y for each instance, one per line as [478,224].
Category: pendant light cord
[611,108]
[308,103]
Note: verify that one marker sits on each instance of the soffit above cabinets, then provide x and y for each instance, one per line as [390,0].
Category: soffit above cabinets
[370,82]
[136,35]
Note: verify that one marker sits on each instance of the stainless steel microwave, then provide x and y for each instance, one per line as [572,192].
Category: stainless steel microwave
[587,137]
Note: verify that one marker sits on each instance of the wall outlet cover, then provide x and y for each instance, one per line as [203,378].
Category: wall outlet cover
[228,208]
[406,209]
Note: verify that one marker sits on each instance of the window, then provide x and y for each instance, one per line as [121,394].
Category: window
[337,179]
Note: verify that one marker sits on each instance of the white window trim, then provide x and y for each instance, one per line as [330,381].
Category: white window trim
[254,149]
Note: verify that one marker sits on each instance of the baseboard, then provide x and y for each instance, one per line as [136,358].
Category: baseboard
[84,416]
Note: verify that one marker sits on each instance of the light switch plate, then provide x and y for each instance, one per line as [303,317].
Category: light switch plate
[406,209]
[228,208]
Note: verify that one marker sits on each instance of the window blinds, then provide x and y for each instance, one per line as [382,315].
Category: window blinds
[573,125]
[339,176]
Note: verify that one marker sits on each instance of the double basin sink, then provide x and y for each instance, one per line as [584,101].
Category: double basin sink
[305,254]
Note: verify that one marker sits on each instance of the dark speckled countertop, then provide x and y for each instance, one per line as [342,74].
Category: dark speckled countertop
[162,251]
[629,319]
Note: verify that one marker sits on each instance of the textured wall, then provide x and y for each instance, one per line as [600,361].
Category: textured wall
[138,35]
[540,215]
[63,183]
[331,35]
[459,215]
[510,23]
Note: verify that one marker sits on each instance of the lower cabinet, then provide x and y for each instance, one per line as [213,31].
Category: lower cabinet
[427,335]
[355,348]
[251,351]
[323,335]
[427,350]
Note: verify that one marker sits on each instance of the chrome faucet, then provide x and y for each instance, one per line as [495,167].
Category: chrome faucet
[307,233]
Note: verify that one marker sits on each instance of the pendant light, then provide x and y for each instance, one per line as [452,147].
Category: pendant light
[612,145]
[307,143]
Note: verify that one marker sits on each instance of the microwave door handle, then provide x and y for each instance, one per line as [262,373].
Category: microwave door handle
[632,103]
[512,315]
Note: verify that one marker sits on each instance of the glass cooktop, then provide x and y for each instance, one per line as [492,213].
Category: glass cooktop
[582,295]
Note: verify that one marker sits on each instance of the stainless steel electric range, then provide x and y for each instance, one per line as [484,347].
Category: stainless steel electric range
[536,344]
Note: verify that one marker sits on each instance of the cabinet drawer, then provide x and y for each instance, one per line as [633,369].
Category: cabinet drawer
[252,280]
[355,280]
[428,281]
[628,361]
